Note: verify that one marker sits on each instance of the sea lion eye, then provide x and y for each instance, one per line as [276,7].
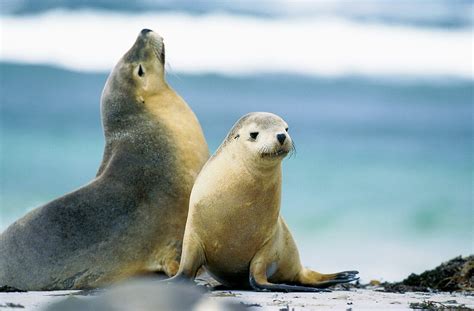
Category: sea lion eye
[254,135]
[140,71]
[286,130]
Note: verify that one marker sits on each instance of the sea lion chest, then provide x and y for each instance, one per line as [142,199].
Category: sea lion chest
[234,214]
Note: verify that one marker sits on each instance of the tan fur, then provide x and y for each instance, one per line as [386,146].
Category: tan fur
[234,226]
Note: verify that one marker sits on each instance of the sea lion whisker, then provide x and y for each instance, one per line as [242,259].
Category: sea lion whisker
[292,150]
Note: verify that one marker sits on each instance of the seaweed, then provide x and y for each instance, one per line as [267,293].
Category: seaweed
[456,274]
[435,306]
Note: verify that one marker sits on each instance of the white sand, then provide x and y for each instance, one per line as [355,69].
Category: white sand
[357,299]
[31,300]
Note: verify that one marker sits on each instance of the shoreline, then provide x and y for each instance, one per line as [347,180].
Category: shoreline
[339,299]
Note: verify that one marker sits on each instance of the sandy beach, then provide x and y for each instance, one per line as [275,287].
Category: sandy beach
[354,299]
[448,286]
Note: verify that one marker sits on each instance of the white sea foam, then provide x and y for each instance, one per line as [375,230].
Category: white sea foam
[236,44]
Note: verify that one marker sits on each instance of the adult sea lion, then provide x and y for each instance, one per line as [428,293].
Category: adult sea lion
[234,227]
[130,219]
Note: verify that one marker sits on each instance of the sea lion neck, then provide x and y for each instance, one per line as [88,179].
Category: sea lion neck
[130,131]
[122,113]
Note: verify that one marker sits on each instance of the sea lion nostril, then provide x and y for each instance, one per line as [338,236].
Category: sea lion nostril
[145,31]
[281,138]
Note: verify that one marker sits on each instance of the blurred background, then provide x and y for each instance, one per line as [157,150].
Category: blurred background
[378,96]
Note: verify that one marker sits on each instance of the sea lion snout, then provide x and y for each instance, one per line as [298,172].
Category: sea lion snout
[282,146]
[145,31]
[148,46]
[150,34]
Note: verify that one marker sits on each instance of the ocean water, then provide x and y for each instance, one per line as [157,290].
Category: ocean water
[381,181]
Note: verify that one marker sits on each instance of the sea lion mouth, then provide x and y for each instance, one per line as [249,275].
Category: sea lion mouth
[156,42]
[275,154]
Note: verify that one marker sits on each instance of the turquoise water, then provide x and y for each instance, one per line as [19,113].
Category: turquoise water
[382,178]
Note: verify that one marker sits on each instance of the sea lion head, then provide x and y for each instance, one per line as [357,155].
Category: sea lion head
[143,65]
[138,75]
[263,135]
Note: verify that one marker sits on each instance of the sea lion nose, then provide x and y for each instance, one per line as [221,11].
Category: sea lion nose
[145,31]
[281,138]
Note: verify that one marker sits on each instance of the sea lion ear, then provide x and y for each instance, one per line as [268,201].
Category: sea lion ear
[236,136]
[140,71]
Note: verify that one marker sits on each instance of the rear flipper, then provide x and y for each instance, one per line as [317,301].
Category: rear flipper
[314,279]
[265,286]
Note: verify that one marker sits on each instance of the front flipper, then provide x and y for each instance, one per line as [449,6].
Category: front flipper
[192,259]
[179,278]
[265,286]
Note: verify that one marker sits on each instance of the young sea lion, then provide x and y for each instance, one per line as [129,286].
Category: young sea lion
[130,219]
[234,227]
